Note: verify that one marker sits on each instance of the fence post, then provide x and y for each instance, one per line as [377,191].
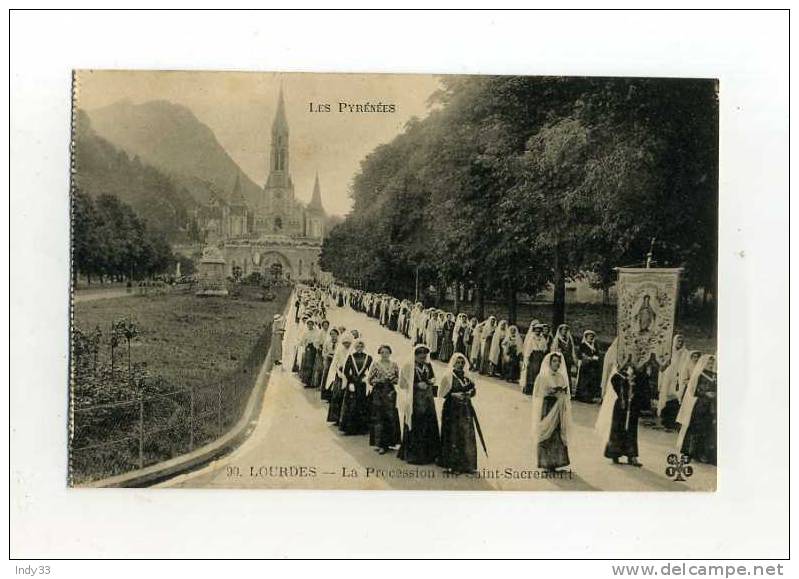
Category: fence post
[219,410]
[141,432]
[191,420]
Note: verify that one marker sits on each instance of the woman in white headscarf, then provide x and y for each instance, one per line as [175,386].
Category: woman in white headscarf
[669,394]
[432,333]
[685,371]
[512,347]
[421,441]
[608,364]
[563,342]
[334,384]
[589,371]
[486,339]
[476,341]
[552,422]
[417,323]
[534,349]
[458,418]
[322,336]
[697,417]
[328,354]
[495,352]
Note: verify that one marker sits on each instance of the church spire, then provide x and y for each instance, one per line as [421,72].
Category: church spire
[316,198]
[236,198]
[279,155]
[280,125]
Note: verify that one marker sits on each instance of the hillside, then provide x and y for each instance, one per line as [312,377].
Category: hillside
[101,168]
[169,137]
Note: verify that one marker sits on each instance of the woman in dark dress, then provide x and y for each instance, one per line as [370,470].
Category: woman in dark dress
[459,334]
[354,408]
[384,431]
[535,348]
[309,354]
[552,423]
[393,318]
[589,375]
[563,342]
[446,346]
[328,353]
[458,441]
[698,433]
[319,360]
[421,441]
[335,378]
[627,395]
[546,331]
[512,347]
[486,339]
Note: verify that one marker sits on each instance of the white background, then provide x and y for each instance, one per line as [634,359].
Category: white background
[746,518]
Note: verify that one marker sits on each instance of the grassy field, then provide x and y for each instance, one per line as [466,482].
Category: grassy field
[188,340]
[700,333]
[195,362]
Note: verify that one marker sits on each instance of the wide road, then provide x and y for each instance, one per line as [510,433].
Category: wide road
[292,445]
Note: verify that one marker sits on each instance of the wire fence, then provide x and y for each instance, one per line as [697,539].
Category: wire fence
[115,438]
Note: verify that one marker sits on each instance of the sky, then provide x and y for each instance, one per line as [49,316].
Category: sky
[239,107]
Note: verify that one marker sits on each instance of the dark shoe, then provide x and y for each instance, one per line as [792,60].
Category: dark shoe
[615,460]
[634,462]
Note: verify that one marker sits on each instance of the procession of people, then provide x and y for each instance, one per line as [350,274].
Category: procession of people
[402,405]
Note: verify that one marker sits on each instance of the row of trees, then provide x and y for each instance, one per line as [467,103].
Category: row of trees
[513,183]
[111,242]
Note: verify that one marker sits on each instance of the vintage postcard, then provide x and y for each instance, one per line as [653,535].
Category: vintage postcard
[378,281]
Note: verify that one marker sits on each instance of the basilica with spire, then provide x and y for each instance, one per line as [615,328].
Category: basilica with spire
[276,234]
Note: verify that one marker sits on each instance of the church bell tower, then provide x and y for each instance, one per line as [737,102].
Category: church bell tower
[276,215]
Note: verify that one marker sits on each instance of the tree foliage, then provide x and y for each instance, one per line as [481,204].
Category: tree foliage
[512,183]
[110,241]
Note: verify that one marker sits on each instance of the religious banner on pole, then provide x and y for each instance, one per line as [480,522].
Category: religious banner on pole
[647,307]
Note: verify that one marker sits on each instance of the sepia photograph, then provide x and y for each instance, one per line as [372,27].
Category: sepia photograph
[393,281]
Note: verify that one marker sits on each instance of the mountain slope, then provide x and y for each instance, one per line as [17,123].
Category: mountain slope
[169,137]
[101,168]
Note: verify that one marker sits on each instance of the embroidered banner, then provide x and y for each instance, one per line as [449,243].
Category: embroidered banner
[647,304]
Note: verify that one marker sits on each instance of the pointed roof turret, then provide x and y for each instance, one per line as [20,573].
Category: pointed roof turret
[237,198]
[316,198]
[280,124]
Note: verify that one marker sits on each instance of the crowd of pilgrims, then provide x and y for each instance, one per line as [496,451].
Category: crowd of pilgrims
[395,405]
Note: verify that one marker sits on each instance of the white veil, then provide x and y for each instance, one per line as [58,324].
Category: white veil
[405,388]
[604,419]
[446,381]
[669,376]
[561,411]
[339,357]
[689,400]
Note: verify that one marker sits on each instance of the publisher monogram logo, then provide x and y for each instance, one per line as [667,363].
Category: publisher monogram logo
[679,468]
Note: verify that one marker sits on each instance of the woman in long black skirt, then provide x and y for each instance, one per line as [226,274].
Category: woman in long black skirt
[458,419]
[354,407]
[384,431]
[589,374]
[328,353]
[336,380]
[421,441]
[309,354]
